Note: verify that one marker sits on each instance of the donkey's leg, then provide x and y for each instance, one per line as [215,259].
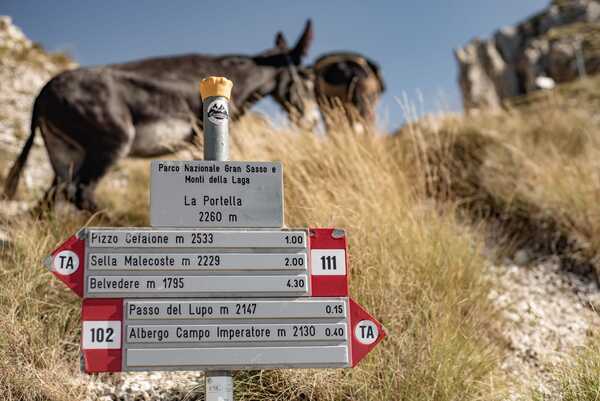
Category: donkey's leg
[98,161]
[94,167]
[65,157]
[49,198]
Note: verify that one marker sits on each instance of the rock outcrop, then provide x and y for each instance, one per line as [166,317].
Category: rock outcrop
[562,42]
[24,69]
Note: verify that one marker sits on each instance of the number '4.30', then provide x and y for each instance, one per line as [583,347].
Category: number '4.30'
[295,283]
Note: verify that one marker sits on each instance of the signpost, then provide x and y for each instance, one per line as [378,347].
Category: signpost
[216,284]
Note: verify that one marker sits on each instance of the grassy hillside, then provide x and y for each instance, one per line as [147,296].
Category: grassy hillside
[537,164]
[415,206]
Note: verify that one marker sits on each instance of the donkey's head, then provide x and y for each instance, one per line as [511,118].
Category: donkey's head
[293,87]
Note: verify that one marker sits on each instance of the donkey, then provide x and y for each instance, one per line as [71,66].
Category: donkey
[92,117]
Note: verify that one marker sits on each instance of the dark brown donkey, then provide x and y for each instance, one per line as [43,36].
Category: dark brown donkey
[92,117]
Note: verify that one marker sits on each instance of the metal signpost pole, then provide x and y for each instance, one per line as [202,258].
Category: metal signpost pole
[215,92]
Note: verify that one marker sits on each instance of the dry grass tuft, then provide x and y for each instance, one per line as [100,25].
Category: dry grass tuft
[579,378]
[532,172]
[39,323]
[412,266]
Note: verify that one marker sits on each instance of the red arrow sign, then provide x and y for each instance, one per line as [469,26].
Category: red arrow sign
[102,321]
[366,332]
[105,343]
[67,263]
[327,262]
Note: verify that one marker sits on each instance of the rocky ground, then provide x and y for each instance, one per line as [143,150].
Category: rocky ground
[155,386]
[548,314]
[24,69]
[559,43]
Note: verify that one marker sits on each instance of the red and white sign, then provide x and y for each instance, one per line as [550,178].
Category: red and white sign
[67,263]
[328,261]
[101,345]
[107,337]
[326,252]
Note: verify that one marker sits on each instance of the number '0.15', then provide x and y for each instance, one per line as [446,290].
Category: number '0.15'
[336,309]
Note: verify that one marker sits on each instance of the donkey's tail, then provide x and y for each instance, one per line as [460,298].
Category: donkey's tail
[12,180]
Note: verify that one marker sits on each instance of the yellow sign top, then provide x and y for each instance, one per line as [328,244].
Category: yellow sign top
[215,86]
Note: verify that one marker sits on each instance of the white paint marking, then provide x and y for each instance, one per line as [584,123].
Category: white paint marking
[65,263]
[328,262]
[366,332]
[101,334]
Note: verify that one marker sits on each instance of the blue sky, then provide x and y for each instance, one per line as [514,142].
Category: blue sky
[411,40]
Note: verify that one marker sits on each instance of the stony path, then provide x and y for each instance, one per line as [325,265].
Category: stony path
[548,314]
[154,386]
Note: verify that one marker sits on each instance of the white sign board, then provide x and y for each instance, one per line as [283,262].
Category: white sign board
[244,333]
[216,194]
[194,263]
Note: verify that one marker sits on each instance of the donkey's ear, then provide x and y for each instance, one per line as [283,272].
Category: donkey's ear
[377,71]
[303,44]
[280,41]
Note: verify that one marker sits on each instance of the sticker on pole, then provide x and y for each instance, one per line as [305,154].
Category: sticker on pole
[218,112]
